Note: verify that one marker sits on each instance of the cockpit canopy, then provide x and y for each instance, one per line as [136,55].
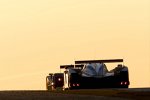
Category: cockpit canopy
[94,70]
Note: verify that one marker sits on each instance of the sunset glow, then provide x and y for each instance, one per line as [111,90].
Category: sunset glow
[36,36]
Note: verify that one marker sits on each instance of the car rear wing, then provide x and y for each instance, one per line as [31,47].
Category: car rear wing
[99,61]
[66,66]
[71,66]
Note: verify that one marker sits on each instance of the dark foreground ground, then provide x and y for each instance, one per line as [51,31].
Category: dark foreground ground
[97,94]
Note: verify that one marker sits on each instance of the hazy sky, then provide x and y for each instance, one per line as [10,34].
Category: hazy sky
[36,36]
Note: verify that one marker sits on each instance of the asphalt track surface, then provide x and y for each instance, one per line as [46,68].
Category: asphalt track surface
[90,94]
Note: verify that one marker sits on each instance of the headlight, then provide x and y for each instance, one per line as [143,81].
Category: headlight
[59,79]
[52,83]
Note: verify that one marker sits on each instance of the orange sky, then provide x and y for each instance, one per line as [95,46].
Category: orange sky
[36,36]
